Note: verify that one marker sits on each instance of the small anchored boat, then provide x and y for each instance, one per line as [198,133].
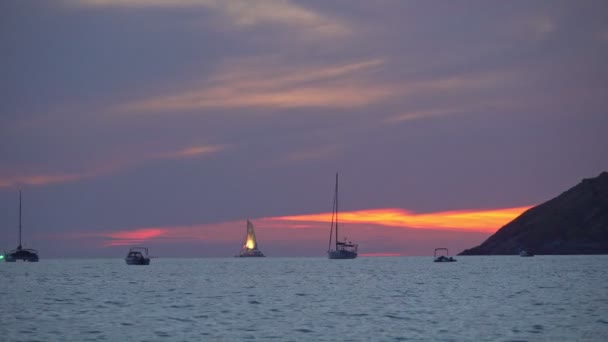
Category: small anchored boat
[138,256]
[20,253]
[441,257]
[525,253]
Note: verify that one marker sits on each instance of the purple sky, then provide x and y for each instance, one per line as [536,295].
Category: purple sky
[119,115]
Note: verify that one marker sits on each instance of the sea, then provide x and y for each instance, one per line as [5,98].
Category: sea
[497,298]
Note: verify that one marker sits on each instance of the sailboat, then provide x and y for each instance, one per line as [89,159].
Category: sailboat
[345,249]
[20,253]
[250,246]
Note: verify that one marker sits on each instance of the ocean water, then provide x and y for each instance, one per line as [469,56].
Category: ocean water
[544,298]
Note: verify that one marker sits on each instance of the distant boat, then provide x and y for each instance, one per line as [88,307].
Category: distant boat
[250,246]
[25,254]
[525,253]
[343,250]
[443,258]
[138,256]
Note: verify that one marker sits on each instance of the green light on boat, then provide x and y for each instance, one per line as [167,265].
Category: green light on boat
[1,256]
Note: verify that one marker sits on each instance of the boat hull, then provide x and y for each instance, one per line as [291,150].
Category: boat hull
[23,255]
[444,259]
[252,254]
[343,254]
[137,261]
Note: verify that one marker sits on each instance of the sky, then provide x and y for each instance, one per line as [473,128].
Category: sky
[168,123]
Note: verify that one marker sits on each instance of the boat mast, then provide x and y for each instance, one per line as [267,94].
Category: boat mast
[19,220]
[331,230]
[336,211]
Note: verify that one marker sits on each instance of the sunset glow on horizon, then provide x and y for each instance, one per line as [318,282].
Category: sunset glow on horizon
[488,220]
[485,221]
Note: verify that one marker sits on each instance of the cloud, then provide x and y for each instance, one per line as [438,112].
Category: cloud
[262,84]
[447,110]
[105,168]
[421,114]
[132,237]
[194,151]
[275,84]
[40,179]
[244,13]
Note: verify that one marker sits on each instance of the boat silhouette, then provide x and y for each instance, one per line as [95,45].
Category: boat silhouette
[138,256]
[343,249]
[443,258]
[20,253]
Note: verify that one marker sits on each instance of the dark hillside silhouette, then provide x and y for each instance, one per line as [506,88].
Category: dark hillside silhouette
[575,222]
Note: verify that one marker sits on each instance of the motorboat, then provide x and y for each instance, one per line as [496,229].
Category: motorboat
[442,257]
[138,256]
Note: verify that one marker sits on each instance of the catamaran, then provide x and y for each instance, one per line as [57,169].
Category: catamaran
[250,246]
[345,249]
[20,253]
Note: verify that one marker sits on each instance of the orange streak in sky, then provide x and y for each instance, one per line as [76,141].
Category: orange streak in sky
[138,234]
[470,220]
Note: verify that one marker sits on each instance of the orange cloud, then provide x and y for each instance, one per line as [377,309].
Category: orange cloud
[469,220]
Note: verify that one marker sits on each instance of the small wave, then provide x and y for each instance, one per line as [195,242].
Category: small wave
[92,332]
[358,315]
[181,319]
[181,306]
[397,317]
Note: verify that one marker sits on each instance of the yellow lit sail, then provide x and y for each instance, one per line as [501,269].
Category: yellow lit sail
[250,243]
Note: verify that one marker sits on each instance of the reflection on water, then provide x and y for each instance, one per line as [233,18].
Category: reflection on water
[549,298]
